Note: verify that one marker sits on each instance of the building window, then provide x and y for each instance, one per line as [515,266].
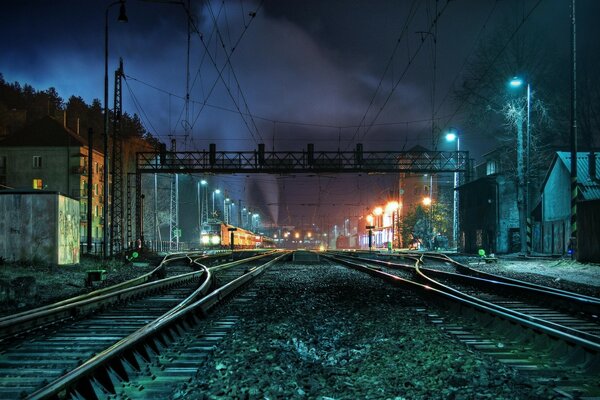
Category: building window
[96,189]
[37,184]
[95,211]
[37,161]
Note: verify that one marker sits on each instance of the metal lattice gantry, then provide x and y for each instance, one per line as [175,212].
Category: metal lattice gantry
[303,162]
[116,215]
[307,161]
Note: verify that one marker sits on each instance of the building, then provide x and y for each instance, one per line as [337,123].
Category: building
[553,227]
[47,155]
[488,213]
[39,226]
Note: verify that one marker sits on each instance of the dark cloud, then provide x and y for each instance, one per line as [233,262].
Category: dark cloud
[311,61]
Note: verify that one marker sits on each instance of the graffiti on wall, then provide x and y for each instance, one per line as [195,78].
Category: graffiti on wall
[68,231]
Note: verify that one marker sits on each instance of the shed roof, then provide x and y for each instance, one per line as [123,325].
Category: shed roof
[588,188]
[46,131]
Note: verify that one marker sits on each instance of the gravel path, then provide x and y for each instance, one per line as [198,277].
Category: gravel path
[560,273]
[332,333]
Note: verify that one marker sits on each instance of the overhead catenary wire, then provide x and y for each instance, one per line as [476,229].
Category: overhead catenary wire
[220,71]
[228,61]
[406,68]
[495,59]
[411,14]
[278,121]
[479,38]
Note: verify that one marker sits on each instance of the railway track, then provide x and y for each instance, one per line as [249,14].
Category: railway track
[46,345]
[549,333]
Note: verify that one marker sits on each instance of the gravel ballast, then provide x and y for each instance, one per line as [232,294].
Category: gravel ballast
[327,332]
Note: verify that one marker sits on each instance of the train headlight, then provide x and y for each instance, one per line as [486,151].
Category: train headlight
[215,240]
[205,239]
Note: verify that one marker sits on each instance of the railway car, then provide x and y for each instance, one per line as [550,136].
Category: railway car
[217,235]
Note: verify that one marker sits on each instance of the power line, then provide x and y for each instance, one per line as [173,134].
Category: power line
[493,61]
[411,13]
[283,122]
[410,60]
[479,37]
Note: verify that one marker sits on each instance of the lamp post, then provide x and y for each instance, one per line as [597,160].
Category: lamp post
[451,137]
[203,201]
[428,202]
[391,208]
[216,191]
[523,176]
[370,228]
[122,18]
[226,210]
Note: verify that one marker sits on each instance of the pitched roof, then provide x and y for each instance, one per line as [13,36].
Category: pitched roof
[45,131]
[588,188]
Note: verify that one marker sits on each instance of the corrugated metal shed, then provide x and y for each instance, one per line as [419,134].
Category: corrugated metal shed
[589,189]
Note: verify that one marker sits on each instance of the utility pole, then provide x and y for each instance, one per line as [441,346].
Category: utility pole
[174,209]
[574,190]
[521,185]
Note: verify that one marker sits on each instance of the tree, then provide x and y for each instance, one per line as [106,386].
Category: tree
[423,223]
[497,111]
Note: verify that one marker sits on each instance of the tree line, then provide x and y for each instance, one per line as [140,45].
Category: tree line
[34,104]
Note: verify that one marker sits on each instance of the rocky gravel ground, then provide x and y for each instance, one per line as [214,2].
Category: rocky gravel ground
[327,332]
[563,274]
[26,286]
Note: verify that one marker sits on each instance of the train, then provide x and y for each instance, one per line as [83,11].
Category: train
[217,235]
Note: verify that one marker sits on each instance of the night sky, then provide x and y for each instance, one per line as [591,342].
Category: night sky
[308,71]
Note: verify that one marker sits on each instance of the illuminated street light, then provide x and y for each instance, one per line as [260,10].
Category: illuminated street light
[378,211]
[517,82]
[391,207]
[370,219]
[216,191]
[452,136]
[426,201]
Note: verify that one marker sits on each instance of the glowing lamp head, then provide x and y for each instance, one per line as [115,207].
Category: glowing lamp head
[205,239]
[203,182]
[378,211]
[516,82]
[451,136]
[391,207]
[370,219]
[427,201]
[215,240]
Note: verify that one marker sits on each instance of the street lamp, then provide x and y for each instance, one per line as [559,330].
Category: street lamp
[200,200]
[216,191]
[390,209]
[204,208]
[517,82]
[226,210]
[370,228]
[452,136]
[122,18]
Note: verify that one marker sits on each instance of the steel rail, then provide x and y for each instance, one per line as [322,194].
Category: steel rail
[483,274]
[113,359]
[513,288]
[69,308]
[589,347]
[563,299]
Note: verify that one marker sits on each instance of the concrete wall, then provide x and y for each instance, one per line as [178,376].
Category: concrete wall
[556,201]
[508,221]
[31,227]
